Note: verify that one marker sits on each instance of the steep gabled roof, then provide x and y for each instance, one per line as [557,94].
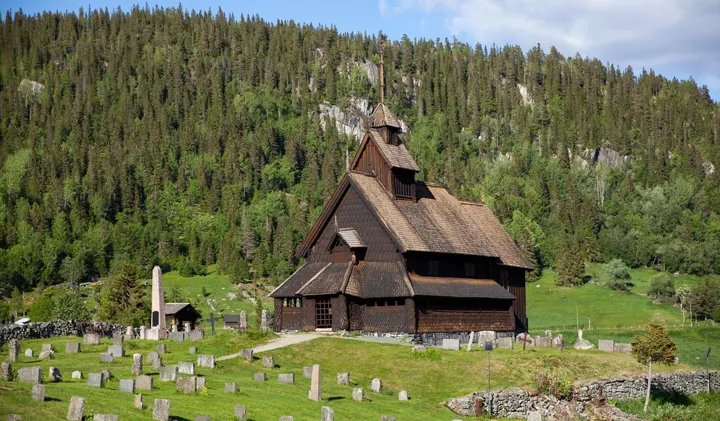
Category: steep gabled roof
[174,308]
[396,156]
[328,281]
[378,280]
[382,116]
[510,253]
[298,279]
[436,222]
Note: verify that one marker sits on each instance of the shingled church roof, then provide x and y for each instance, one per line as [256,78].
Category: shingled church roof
[382,116]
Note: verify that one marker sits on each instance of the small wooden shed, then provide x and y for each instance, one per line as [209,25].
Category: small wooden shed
[179,313]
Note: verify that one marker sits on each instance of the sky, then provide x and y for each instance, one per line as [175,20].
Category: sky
[676,38]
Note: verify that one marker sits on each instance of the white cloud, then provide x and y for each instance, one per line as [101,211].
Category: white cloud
[678,37]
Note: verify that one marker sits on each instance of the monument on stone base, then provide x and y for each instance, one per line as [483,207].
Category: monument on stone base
[157,329]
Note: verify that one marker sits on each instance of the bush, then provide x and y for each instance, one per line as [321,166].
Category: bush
[662,285]
[615,273]
[550,382]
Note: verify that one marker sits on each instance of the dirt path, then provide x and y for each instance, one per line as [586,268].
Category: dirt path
[281,342]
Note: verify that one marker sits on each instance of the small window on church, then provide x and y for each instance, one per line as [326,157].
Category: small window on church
[470,269]
[433,267]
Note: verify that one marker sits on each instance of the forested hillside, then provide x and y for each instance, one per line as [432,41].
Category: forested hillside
[187,139]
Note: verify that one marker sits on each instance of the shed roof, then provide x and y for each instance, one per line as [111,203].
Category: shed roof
[397,156]
[297,279]
[378,280]
[174,308]
[351,238]
[328,281]
[458,287]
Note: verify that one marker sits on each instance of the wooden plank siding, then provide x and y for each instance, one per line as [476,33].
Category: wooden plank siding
[353,213]
[371,161]
[516,286]
[439,316]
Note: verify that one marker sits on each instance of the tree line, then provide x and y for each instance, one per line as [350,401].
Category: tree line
[187,139]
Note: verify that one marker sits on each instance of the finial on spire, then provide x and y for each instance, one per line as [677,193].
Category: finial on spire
[382,71]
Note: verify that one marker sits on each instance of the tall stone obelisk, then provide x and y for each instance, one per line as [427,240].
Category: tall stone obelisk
[157,317]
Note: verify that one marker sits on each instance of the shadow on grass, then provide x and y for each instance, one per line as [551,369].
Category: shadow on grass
[674,398]
[335,398]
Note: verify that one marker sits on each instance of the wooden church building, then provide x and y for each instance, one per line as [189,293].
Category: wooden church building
[390,253]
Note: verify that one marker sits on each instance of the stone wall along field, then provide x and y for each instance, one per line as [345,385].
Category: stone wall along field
[57,328]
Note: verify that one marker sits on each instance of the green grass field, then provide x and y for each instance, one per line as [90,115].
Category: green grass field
[429,381]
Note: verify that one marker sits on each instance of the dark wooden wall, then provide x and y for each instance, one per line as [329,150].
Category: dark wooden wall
[439,315]
[371,161]
[516,286]
[381,319]
[451,265]
[353,213]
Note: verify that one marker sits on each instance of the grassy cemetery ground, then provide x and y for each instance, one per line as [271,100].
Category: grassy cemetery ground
[430,380]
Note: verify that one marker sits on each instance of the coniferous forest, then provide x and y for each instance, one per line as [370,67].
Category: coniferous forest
[187,139]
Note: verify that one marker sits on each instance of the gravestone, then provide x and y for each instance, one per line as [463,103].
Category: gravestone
[451,344]
[358,394]
[327,414]
[485,336]
[240,412]
[231,387]
[106,357]
[76,375]
[186,384]
[307,372]
[143,333]
[375,385]
[243,321]
[558,341]
[143,382]
[260,377]
[268,362]
[105,417]
[76,408]
[387,418]
[582,344]
[6,373]
[185,367]
[91,339]
[47,348]
[45,355]
[606,345]
[13,417]
[137,364]
[201,382]
[117,351]
[625,348]
[160,349]
[138,401]
[38,392]
[13,350]
[173,328]
[265,321]
[161,409]
[157,364]
[288,378]
[471,340]
[127,386]
[315,392]
[107,375]
[505,343]
[206,361]
[30,375]
[193,350]
[72,347]
[29,352]
[117,338]
[543,341]
[54,374]
[168,374]
[525,340]
[129,333]
[286,418]
[151,356]
[403,395]
[247,354]
[95,379]
[187,327]
[176,336]
[196,335]
[343,378]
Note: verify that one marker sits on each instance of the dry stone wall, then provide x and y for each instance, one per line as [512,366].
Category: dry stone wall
[518,403]
[57,328]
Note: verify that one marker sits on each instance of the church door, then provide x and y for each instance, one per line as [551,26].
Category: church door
[323,314]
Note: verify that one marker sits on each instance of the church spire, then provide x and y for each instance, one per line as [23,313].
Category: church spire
[382,71]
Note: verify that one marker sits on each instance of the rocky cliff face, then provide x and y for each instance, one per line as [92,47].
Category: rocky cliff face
[353,120]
